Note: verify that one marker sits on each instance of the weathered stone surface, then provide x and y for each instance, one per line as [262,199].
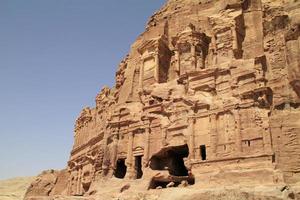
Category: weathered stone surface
[208,96]
[48,183]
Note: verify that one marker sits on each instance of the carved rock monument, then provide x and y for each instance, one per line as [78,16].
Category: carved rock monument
[209,95]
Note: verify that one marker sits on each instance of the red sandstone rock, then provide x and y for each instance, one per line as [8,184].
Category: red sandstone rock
[208,95]
[43,184]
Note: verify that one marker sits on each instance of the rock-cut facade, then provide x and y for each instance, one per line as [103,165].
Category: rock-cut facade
[209,93]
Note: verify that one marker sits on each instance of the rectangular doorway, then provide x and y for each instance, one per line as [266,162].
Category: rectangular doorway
[121,168]
[138,167]
[203,152]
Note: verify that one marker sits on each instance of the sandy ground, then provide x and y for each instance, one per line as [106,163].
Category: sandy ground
[108,190]
[15,188]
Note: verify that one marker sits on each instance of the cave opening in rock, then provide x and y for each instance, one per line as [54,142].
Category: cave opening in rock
[121,169]
[171,159]
[170,162]
[138,167]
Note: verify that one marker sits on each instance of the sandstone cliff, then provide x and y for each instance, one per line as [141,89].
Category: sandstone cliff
[208,96]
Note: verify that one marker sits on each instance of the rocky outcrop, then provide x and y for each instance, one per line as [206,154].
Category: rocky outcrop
[48,183]
[208,96]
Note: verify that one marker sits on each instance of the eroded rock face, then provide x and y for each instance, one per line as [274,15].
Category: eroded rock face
[48,183]
[43,184]
[219,78]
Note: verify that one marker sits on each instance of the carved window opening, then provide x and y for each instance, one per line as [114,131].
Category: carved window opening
[201,56]
[203,152]
[121,169]
[248,143]
[173,170]
[86,184]
[138,167]
[273,158]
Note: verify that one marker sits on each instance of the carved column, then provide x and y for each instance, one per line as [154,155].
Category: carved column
[238,138]
[78,181]
[156,75]
[267,135]
[129,160]
[191,122]
[79,137]
[267,141]
[213,134]
[141,76]
[115,150]
[105,154]
[82,136]
[147,141]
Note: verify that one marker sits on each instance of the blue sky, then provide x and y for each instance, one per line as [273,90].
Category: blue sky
[55,56]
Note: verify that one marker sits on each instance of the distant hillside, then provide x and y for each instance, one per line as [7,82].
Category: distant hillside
[15,188]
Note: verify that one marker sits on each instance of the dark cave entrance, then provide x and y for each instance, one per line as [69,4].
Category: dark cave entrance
[203,152]
[170,161]
[86,183]
[86,187]
[138,167]
[121,169]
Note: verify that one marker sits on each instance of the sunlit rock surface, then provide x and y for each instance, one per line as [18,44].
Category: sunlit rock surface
[205,106]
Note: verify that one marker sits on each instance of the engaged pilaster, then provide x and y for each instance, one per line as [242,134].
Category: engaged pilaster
[191,122]
[146,147]
[238,138]
[129,160]
[213,134]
